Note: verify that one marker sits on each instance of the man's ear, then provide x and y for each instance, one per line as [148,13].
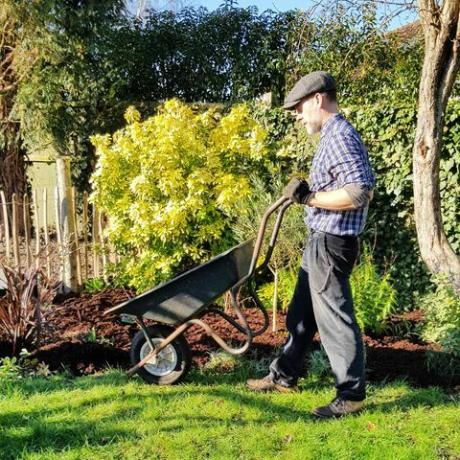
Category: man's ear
[321,100]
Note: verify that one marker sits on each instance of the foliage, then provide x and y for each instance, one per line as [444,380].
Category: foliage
[9,368]
[442,317]
[319,365]
[93,285]
[222,362]
[67,89]
[94,62]
[352,45]
[388,131]
[445,365]
[287,279]
[373,294]
[292,234]
[20,308]
[15,368]
[198,55]
[172,184]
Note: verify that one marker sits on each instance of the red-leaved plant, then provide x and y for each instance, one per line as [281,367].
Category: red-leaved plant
[27,292]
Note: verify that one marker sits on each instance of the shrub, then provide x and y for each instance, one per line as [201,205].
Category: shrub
[373,295]
[442,317]
[172,184]
[20,308]
[293,232]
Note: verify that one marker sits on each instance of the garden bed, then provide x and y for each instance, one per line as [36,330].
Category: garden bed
[79,338]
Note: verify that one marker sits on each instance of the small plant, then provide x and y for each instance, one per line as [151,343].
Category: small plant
[445,365]
[442,317]
[94,285]
[9,368]
[91,336]
[286,284]
[319,363]
[373,295]
[27,292]
[16,368]
[222,362]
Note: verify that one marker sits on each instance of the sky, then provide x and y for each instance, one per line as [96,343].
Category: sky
[284,5]
[276,5]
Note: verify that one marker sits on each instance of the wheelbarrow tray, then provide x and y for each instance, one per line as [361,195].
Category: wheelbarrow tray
[182,298]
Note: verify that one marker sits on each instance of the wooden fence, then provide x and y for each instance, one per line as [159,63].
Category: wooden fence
[69,245]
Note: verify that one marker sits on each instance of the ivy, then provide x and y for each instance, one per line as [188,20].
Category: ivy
[388,130]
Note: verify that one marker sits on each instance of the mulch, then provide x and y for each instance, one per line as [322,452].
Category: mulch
[77,336]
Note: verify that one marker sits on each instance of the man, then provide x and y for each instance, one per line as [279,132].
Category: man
[337,199]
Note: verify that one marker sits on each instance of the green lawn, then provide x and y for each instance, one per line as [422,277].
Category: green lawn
[212,415]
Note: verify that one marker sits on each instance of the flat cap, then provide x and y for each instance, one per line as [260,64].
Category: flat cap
[315,82]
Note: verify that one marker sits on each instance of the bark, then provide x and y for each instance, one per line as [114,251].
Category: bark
[440,68]
[12,165]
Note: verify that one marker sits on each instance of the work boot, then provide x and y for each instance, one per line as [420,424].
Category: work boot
[267,384]
[339,407]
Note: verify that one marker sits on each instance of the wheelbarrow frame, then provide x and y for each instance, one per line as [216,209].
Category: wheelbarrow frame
[169,303]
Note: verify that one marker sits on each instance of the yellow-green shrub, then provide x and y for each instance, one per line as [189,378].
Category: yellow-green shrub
[171,184]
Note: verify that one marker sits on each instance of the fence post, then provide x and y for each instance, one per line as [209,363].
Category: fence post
[15,231]
[6,225]
[67,224]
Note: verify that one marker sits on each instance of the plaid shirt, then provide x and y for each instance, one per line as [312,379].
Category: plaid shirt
[341,158]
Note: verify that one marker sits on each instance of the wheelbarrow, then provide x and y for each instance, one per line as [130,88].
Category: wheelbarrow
[160,353]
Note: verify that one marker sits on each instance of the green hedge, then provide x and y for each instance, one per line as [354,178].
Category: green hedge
[388,131]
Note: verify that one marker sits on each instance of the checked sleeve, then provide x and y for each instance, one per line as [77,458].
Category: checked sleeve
[349,161]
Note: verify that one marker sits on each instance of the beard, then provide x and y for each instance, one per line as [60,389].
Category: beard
[313,127]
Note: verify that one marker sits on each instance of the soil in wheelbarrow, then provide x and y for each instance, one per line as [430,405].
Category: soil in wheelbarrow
[78,337]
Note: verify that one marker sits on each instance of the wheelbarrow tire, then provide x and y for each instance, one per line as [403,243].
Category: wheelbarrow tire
[178,349]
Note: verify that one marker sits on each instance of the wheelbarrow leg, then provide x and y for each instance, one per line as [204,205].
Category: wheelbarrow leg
[144,330]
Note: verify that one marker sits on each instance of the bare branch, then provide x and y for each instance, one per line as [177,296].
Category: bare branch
[451,15]
[5,33]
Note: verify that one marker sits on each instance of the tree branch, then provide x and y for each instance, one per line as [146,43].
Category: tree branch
[453,66]
[5,33]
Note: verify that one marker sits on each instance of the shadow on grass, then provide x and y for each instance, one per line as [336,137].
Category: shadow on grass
[66,425]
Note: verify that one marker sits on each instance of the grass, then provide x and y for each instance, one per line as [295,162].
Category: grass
[212,415]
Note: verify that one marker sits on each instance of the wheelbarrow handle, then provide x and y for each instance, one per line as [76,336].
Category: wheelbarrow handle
[282,203]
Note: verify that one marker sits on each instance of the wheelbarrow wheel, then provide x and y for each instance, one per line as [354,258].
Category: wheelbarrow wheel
[170,365]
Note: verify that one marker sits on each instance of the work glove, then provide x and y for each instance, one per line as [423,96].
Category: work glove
[297,190]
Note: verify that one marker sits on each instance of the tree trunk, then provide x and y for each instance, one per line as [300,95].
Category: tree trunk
[12,165]
[440,68]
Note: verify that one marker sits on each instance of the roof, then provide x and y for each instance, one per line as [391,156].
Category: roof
[407,32]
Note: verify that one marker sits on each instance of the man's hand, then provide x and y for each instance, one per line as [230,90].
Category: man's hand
[297,190]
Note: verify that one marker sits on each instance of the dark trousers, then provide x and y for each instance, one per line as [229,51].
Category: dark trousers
[322,302]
